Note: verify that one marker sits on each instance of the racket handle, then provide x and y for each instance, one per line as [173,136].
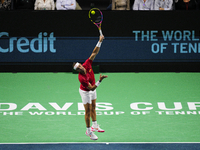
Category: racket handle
[100,31]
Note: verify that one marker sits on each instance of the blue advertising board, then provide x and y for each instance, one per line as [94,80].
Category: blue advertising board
[128,45]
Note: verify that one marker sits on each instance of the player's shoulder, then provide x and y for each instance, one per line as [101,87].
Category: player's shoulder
[87,63]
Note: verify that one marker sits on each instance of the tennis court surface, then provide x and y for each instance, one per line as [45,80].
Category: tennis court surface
[131,107]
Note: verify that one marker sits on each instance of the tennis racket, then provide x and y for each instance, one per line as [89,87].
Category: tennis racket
[96,17]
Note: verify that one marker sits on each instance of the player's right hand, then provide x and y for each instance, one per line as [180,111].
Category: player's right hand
[101,38]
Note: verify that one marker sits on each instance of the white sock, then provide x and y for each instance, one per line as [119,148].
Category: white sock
[94,123]
[88,130]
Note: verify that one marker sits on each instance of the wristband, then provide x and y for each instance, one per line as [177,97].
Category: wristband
[98,83]
[98,44]
[76,65]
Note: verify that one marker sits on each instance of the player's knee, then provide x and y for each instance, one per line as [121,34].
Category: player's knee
[93,104]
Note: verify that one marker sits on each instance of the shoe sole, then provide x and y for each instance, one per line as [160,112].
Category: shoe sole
[90,137]
[97,131]
[93,130]
[94,139]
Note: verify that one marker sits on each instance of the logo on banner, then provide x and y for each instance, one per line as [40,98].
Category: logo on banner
[102,108]
[40,44]
[176,41]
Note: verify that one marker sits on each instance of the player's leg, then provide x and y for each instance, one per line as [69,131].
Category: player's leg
[87,114]
[85,96]
[86,99]
[93,110]
[95,126]
[87,121]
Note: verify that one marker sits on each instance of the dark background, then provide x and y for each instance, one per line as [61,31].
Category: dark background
[115,24]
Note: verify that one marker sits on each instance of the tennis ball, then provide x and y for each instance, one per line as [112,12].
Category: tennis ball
[93,12]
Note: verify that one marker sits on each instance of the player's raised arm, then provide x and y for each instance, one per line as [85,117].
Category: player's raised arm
[97,48]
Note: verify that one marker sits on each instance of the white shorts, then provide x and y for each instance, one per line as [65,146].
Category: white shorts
[88,96]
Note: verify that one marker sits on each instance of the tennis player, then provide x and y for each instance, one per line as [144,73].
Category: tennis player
[87,90]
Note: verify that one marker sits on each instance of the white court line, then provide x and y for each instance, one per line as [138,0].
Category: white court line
[106,143]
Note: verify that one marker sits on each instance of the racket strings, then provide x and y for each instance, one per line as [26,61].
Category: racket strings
[97,17]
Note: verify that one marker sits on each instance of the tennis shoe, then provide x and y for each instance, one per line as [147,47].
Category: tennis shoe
[91,135]
[97,128]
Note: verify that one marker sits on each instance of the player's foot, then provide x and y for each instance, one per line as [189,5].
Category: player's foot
[91,135]
[97,128]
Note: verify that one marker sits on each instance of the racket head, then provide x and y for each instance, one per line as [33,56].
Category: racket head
[97,17]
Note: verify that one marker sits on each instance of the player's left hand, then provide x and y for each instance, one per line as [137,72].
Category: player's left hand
[102,77]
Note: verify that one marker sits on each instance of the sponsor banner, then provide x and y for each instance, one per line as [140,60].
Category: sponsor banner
[143,46]
[102,108]
[55,39]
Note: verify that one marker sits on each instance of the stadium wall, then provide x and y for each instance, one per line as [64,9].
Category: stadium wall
[136,41]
